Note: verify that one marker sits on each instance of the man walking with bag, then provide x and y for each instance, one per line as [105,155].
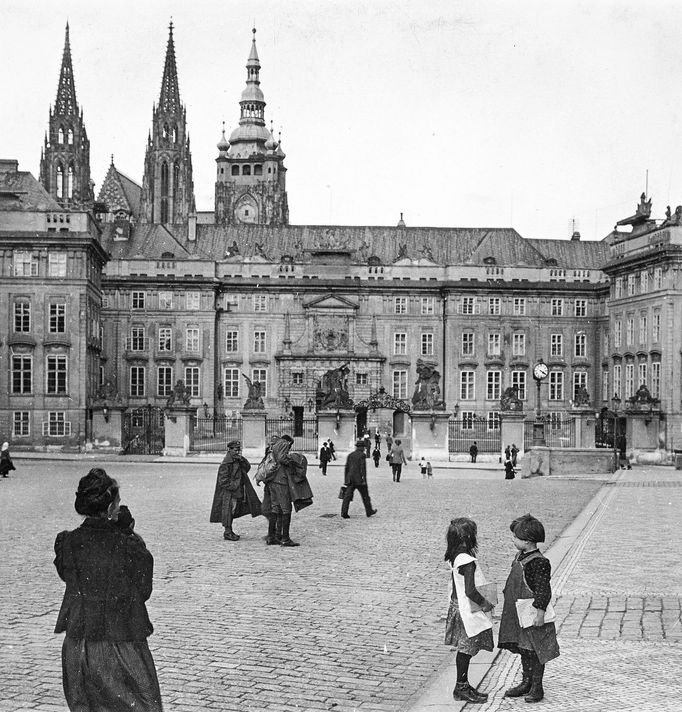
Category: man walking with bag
[355,478]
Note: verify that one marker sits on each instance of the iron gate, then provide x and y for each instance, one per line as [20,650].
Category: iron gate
[463,432]
[213,434]
[143,431]
[302,430]
[559,431]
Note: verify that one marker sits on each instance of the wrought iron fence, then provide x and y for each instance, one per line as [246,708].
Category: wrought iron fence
[559,431]
[143,431]
[463,432]
[302,430]
[212,434]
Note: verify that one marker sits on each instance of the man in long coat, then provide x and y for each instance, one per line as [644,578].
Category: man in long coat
[234,494]
[355,478]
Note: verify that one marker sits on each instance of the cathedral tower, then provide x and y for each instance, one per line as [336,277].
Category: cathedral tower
[65,158]
[251,177]
[167,186]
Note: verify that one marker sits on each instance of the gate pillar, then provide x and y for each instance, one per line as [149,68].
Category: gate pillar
[107,428]
[339,427]
[584,426]
[178,427]
[511,428]
[253,434]
[430,435]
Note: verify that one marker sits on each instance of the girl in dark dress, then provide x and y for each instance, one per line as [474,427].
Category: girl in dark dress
[6,464]
[106,662]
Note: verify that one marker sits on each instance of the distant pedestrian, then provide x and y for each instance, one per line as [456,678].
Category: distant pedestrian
[332,449]
[367,442]
[528,581]
[422,468]
[507,453]
[376,456]
[397,460]
[389,442]
[429,470]
[234,495]
[377,439]
[473,451]
[325,457]
[514,454]
[469,622]
[355,478]
[6,464]
[509,473]
[106,661]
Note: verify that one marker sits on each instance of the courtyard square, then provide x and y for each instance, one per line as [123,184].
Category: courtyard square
[350,620]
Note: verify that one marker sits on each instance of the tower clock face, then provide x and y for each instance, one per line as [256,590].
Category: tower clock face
[245,212]
[540,371]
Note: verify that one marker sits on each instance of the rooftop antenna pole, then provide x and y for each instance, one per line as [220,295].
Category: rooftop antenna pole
[646,184]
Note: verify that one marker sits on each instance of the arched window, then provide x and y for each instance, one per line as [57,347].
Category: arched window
[176,178]
[164,192]
[258,170]
[70,137]
[69,182]
[235,170]
[246,170]
[174,134]
[165,131]
[60,180]
[60,135]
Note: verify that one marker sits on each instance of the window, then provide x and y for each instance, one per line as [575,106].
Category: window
[164,381]
[494,344]
[519,306]
[557,307]
[165,300]
[619,288]
[192,381]
[556,345]
[518,344]
[494,306]
[400,384]
[494,385]
[259,342]
[580,346]
[22,316]
[297,378]
[556,385]
[468,305]
[137,379]
[617,333]
[581,307]
[579,381]
[605,337]
[493,420]
[260,302]
[165,338]
[427,344]
[192,339]
[56,264]
[25,265]
[21,423]
[631,284]
[467,417]
[22,374]
[427,304]
[605,385]
[468,343]
[656,331]
[630,331]
[193,300]
[57,318]
[642,372]
[137,338]
[400,344]
[616,379]
[56,375]
[656,379]
[231,382]
[629,380]
[658,277]
[57,425]
[467,385]
[400,305]
[644,282]
[138,300]
[231,341]
[260,375]
[361,379]
[518,381]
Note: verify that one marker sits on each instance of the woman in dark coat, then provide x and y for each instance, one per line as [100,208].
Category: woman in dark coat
[106,662]
[6,464]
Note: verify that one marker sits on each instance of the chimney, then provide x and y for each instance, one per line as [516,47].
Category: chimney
[9,165]
[575,237]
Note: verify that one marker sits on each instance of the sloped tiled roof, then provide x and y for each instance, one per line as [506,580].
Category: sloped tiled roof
[118,192]
[574,254]
[19,190]
[147,241]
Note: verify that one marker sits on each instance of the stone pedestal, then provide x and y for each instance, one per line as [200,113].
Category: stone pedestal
[106,432]
[511,430]
[338,426]
[253,434]
[584,427]
[430,435]
[178,428]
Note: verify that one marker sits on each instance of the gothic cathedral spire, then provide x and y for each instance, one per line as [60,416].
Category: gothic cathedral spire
[65,158]
[167,186]
[251,177]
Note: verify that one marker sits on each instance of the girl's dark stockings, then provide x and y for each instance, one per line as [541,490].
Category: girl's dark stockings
[462,660]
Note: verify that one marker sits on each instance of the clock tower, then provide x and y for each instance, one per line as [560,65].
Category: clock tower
[250,174]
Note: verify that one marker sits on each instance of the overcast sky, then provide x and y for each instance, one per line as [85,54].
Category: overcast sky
[471,114]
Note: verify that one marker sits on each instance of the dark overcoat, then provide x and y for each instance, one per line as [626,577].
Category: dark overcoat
[355,472]
[6,463]
[247,499]
[299,487]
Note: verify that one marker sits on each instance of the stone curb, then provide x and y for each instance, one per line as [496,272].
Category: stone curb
[437,696]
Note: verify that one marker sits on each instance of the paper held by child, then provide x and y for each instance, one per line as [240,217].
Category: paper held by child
[527,612]
[488,591]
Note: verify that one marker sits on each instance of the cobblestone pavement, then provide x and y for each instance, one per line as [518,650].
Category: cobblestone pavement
[618,606]
[350,620]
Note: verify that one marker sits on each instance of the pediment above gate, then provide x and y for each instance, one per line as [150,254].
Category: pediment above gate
[331,302]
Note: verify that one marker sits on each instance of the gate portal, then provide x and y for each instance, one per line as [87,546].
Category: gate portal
[143,431]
